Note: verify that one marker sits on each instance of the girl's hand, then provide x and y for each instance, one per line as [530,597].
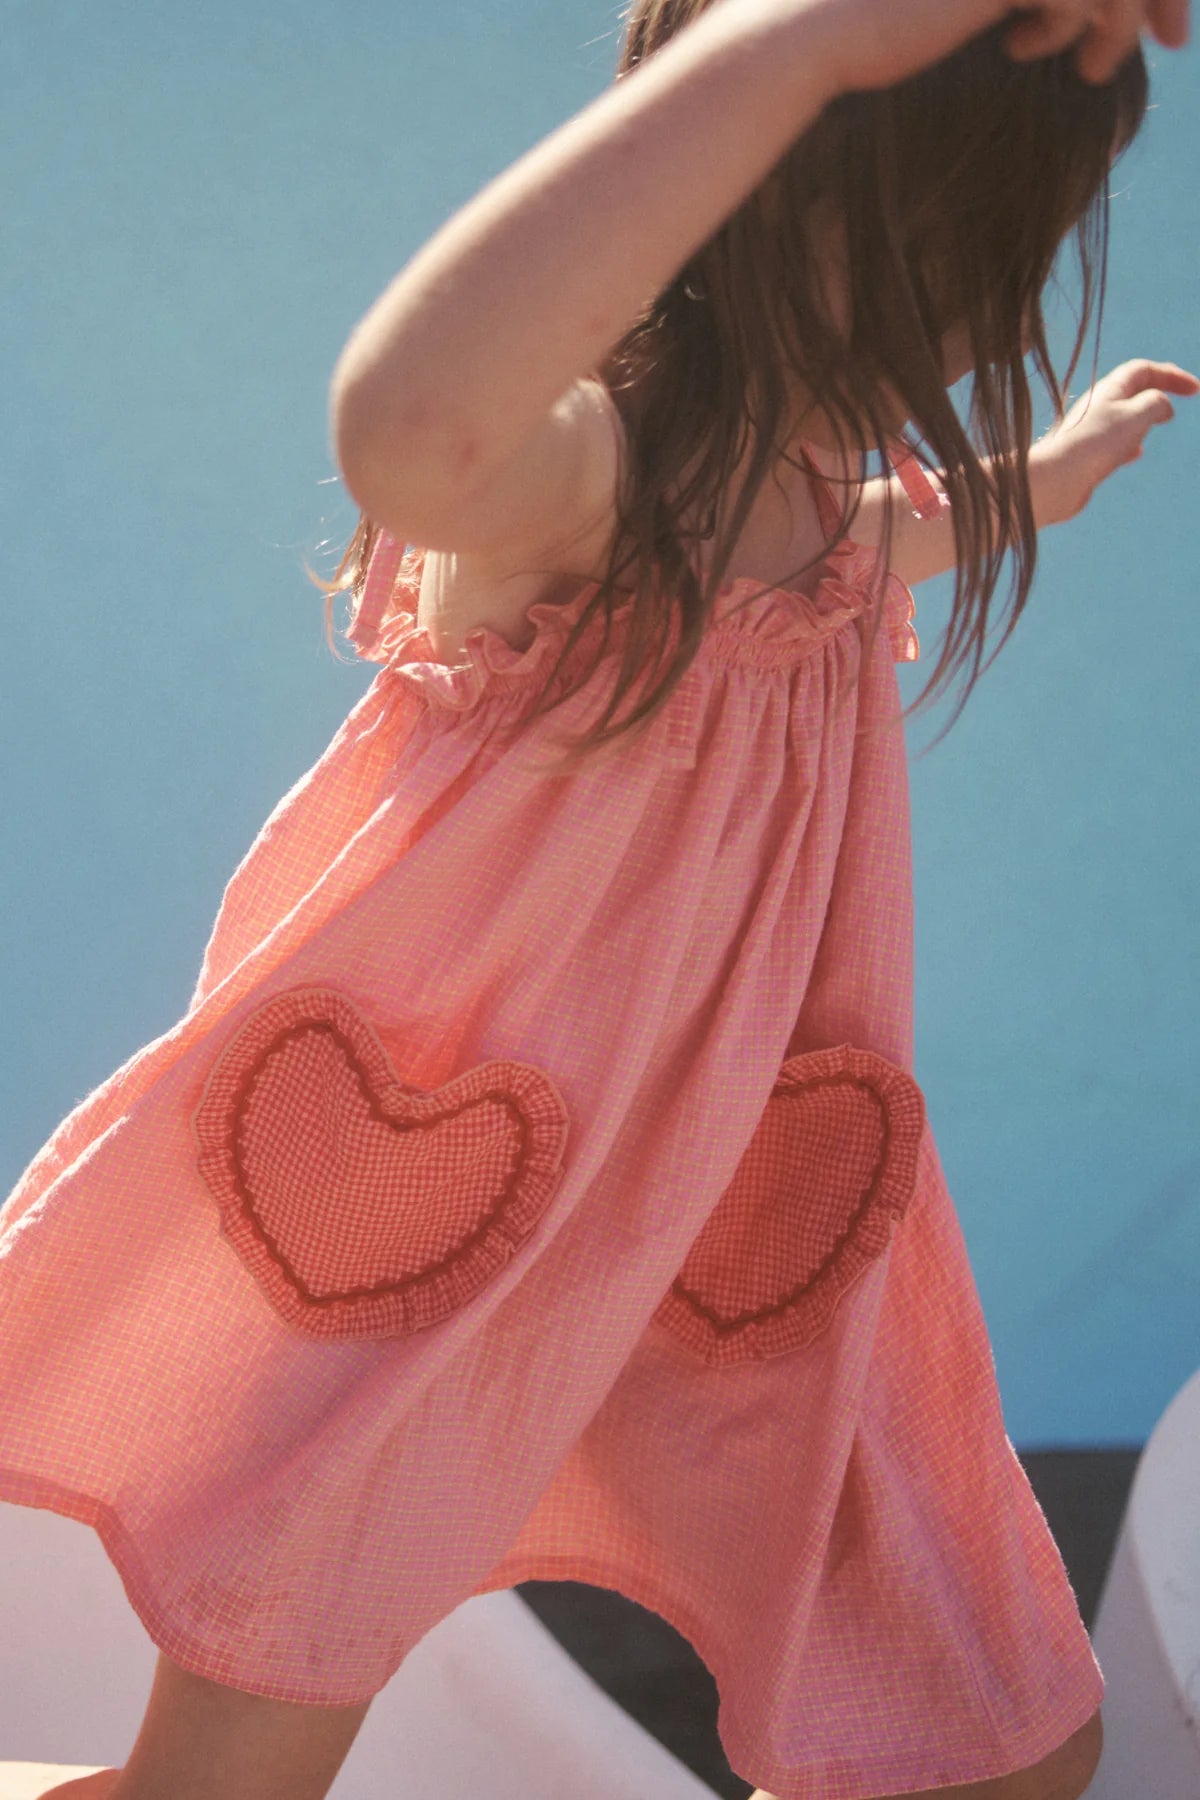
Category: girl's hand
[876,43]
[1102,431]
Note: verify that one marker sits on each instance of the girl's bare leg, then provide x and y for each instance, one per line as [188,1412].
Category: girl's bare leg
[83,1787]
[200,1740]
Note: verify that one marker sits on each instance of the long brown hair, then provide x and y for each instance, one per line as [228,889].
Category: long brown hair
[956,191]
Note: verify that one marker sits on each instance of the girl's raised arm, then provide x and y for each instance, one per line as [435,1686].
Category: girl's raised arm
[529,285]
[461,360]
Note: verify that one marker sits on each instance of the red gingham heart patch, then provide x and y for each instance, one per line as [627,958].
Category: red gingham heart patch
[830,1168]
[365,1207]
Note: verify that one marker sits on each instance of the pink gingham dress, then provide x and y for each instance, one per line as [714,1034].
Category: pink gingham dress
[537,1187]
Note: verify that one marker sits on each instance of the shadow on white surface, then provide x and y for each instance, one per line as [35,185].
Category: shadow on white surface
[1147,1631]
[488,1703]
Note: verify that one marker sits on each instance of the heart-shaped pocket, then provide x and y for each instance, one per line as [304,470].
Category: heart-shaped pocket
[830,1168]
[365,1207]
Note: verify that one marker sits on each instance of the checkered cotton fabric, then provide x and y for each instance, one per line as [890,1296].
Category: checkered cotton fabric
[538,1186]
[364,1207]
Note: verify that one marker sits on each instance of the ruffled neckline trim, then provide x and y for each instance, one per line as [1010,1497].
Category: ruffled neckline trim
[843,590]
[385,620]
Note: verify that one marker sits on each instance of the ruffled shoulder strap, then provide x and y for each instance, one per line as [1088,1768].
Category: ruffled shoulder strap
[927,501]
[367,623]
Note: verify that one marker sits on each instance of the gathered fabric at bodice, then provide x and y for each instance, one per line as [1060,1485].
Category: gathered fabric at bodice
[753,623]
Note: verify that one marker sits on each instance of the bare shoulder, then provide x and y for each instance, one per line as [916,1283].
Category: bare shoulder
[542,554]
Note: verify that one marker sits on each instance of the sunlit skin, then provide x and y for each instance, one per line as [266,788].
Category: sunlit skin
[1103,430]
[84,1787]
[200,1738]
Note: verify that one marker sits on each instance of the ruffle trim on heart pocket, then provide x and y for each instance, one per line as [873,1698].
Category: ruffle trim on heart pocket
[362,1206]
[830,1169]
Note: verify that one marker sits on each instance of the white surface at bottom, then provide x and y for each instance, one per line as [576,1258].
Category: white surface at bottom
[1147,1631]
[29,1781]
[488,1703]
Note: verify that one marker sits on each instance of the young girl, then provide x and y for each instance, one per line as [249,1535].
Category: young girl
[537,1185]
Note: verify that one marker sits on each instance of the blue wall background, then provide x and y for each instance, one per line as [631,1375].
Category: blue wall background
[200,205]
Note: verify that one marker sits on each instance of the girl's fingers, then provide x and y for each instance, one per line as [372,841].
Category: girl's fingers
[1133,377]
[1178,380]
[1169,21]
[1105,31]
[1113,35]
[1038,33]
[1154,407]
